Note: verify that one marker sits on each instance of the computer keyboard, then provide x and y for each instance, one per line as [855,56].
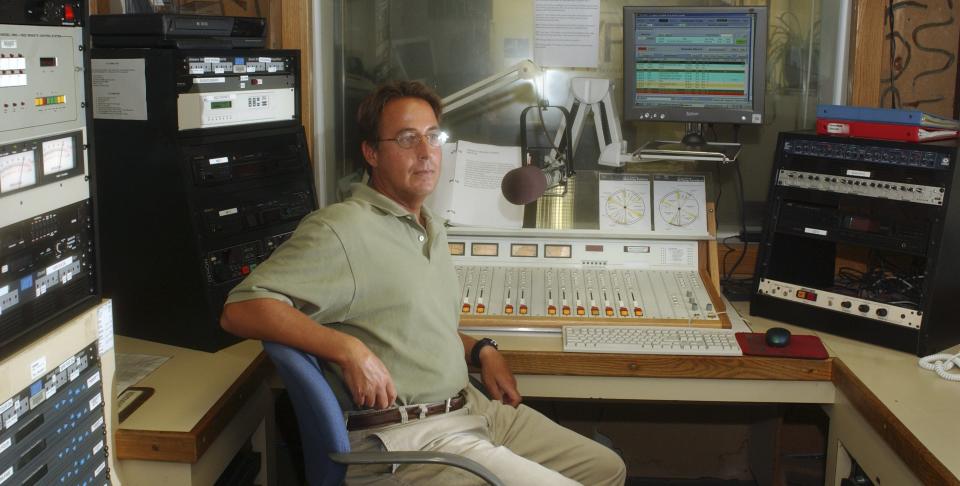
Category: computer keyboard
[650,340]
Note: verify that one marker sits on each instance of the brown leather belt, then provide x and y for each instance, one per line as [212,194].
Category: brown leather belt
[377,418]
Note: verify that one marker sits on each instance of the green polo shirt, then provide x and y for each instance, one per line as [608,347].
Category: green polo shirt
[366,267]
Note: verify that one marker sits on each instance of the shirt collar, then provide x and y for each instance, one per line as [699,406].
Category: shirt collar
[365,193]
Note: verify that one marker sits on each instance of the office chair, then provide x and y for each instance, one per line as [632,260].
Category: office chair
[326,448]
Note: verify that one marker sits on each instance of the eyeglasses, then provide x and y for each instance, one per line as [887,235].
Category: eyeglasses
[436,138]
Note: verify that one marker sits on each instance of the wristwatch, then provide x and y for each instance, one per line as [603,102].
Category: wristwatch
[475,352]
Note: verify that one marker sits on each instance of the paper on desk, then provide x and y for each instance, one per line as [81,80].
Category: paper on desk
[439,201]
[468,192]
[131,368]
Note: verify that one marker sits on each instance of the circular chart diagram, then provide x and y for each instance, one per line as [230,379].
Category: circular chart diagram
[625,207]
[679,208]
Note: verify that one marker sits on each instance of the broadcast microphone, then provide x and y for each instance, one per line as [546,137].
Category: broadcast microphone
[524,185]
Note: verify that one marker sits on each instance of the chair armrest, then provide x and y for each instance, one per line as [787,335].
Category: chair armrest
[417,457]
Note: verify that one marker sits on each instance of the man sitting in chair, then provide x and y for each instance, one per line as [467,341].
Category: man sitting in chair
[369,286]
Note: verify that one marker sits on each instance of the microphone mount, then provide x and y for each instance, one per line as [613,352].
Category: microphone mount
[555,160]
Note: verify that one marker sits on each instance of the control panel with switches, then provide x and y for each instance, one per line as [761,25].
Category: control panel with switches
[532,279]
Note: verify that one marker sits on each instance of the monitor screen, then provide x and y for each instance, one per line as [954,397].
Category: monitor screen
[694,64]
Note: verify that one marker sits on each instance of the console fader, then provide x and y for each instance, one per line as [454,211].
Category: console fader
[541,279]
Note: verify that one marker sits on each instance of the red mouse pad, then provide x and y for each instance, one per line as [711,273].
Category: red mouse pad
[800,346]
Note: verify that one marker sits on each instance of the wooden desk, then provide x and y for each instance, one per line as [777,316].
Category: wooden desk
[877,398]
[889,413]
[205,406]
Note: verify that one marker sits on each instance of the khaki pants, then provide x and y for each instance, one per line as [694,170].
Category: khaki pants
[519,445]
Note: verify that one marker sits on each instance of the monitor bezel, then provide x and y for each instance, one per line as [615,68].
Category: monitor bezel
[753,116]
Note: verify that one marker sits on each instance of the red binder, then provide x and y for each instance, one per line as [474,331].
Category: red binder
[883,131]
[800,346]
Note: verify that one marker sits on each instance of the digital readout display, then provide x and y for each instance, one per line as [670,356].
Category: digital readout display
[456,249]
[557,251]
[484,249]
[523,250]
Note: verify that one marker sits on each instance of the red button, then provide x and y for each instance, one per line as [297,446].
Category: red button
[245,269]
[68,12]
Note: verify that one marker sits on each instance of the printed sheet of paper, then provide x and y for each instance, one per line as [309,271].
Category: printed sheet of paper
[119,89]
[567,33]
[680,204]
[625,203]
[105,327]
[477,200]
[440,200]
[131,368]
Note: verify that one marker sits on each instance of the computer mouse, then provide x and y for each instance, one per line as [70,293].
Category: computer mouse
[777,337]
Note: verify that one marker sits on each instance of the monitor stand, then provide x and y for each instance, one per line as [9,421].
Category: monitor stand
[693,146]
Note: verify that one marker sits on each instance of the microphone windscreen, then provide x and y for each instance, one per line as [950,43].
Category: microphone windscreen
[523,185]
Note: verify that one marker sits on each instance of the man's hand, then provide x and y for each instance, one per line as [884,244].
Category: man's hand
[365,375]
[497,377]
[367,378]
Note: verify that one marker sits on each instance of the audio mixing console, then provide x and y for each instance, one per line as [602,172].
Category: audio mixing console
[539,279]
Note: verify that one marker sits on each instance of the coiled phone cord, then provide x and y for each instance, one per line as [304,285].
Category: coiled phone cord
[941,364]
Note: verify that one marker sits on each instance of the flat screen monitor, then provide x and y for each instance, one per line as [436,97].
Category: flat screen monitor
[694,64]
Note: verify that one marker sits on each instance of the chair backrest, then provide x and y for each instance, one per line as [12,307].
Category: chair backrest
[322,429]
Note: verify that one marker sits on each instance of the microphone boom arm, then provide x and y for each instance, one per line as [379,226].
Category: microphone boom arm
[525,69]
[593,95]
